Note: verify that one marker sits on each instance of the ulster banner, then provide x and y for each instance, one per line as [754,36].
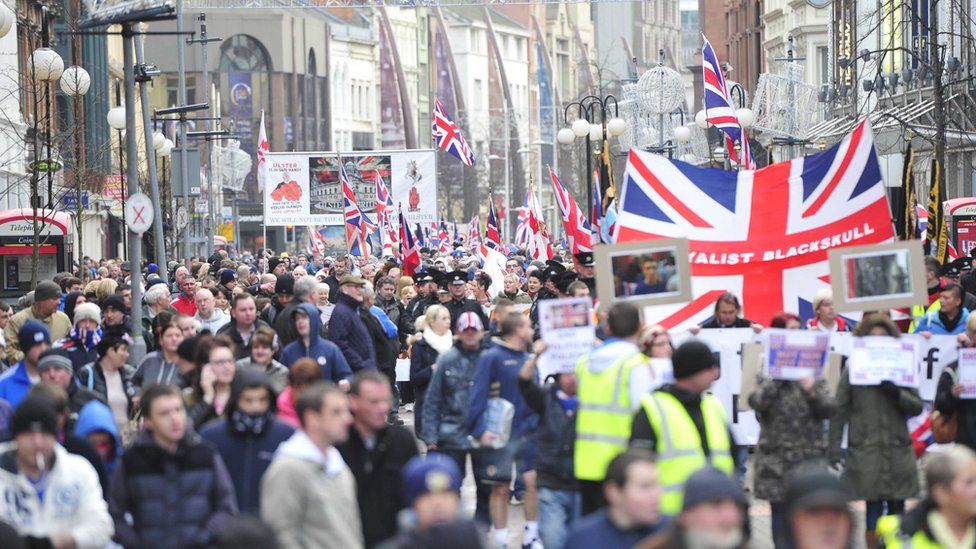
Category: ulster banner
[762,235]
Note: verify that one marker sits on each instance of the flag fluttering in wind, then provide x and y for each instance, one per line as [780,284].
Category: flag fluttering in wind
[720,111]
[409,248]
[448,136]
[358,226]
[445,239]
[494,267]
[262,155]
[596,215]
[384,213]
[537,242]
[492,234]
[316,241]
[474,232]
[936,230]
[903,207]
[578,231]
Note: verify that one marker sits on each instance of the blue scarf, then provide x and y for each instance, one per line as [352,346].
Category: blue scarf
[87,338]
[569,403]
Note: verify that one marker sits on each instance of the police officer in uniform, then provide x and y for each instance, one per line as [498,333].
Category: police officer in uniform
[548,291]
[583,262]
[425,297]
[459,303]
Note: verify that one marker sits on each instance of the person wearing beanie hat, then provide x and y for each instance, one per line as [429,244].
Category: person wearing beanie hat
[34,338]
[44,309]
[825,319]
[817,513]
[56,369]
[284,293]
[632,492]
[38,472]
[714,514]
[684,424]
[84,336]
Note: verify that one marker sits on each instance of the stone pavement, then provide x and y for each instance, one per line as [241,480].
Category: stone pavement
[759,514]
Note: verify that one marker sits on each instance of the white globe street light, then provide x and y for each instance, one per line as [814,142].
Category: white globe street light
[166,149]
[596,132]
[46,65]
[7,19]
[616,126]
[566,136]
[682,134]
[701,119]
[75,81]
[746,117]
[581,127]
[116,118]
[158,140]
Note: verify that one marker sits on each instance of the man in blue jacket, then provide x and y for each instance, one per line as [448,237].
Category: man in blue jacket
[501,364]
[330,358]
[950,318]
[33,338]
[346,327]
[248,436]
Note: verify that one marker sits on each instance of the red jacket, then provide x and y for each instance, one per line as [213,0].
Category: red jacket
[184,305]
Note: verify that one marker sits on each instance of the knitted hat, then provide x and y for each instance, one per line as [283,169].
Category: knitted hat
[433,473]
[152,268]
[45,290]
[285,284]
[89,311]
[55,358]
[813,487]
[34,414]
[273,262]
[226,275]
[692,357]
[32,333]
[710,484]
[114,301]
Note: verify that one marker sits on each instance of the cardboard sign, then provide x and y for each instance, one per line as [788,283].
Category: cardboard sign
[566,325]
[795,354]
[877,359]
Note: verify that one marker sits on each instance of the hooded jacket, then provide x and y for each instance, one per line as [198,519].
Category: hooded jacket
[96,416]
[246,453]
[309,498]
[174,500]
[72,500]
[500,363]
[349,332]
[327,354]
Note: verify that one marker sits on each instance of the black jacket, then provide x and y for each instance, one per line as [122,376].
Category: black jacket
[465,305]
[416,309]
[92,377]
[422,359]
[555,437]
[383,346]
[241,349]
[947,404]
[379,484]
[713,323]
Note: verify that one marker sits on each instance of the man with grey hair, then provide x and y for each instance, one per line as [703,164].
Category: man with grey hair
[157,298]
[306,291]
[208,315]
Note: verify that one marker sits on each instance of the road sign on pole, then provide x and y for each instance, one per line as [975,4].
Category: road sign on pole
[181,218]
[139,213]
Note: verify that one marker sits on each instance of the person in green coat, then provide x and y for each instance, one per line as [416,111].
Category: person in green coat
[880,464]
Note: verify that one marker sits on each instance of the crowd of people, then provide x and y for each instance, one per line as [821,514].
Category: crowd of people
[312,401]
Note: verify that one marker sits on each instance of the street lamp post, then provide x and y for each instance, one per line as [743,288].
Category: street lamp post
[75,82]
[116,120]
[593,129]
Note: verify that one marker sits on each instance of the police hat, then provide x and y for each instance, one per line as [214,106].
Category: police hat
[951,270]
[585,258]
[457,277]
[965,264]
[564,279]
[422,277]
[553,268]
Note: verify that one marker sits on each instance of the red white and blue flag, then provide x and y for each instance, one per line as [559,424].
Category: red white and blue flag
[522,225]
[536,235]
[474,232]
[384,212]
[409,248]
[358,226]
[316,240]
[445,239]
[596,215]
[578,231]
[720,111]
[492,234]
[448,136]
[762,235]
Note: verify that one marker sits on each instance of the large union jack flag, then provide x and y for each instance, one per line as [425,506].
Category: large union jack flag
[448,136]
[384,217]
[578,231]
[762,235]
[358,226]
[720,111]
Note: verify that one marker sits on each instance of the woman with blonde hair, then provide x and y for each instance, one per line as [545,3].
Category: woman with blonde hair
[105,288]
[433,337]
[946,517]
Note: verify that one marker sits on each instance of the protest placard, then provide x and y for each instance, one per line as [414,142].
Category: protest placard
[567,328]
[876,359]
[966,373]
[795,354]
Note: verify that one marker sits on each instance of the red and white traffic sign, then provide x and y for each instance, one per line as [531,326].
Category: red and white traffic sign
[138,213]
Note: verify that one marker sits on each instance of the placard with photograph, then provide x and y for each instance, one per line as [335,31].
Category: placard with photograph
[650,272]
[966,373]
[879,276]
[566,325]
[795,354]
[875,359]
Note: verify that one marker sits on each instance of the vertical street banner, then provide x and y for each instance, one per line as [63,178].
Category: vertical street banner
[546,109]
[391,115]
[241,113]
[305,189]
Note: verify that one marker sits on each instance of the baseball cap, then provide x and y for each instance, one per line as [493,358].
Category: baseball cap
[469,321]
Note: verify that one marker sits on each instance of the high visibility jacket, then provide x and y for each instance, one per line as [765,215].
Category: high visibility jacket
[604,416]
[889,531]
[679,446]
[919,312]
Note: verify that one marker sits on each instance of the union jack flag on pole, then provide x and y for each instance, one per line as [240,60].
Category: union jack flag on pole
[762,235]
[492,234]
[384,211]
[538,244]
[474,232]
[578,231]
[720,111]
[409,248]
[358,226]
[448,136]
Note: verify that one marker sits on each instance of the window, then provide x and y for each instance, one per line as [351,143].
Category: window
[479,94]
[824,64]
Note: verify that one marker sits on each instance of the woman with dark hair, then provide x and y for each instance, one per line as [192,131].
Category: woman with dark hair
[208,396]
[72,300]
[162,319]
[946,517]
[786,321]
[161,365]
[880,463]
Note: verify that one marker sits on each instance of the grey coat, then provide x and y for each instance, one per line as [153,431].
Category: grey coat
[880,462]
[792,431]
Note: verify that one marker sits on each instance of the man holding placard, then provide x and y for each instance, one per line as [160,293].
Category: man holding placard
[875,394]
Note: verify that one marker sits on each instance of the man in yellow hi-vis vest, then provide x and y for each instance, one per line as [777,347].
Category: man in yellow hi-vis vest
[611,379]
[686,427]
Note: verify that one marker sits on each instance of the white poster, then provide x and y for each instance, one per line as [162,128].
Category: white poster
[566,325]
[876,359]
[967,373]
[305,188]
